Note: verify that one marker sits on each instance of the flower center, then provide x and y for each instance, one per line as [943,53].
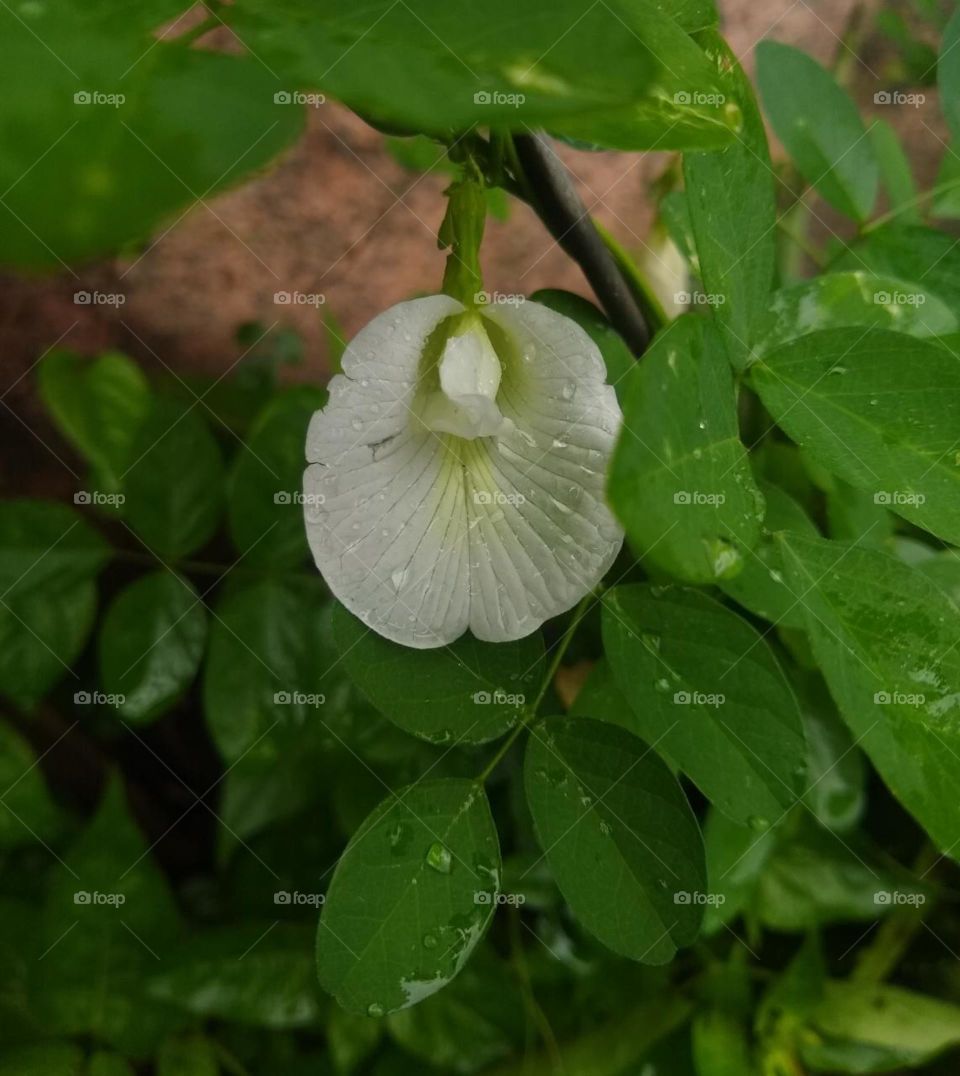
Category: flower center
[470,372]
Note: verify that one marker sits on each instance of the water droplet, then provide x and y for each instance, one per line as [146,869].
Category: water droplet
[356,424]
[374,1009]
[605,828]
[429,941]
[724,558]
[396,834]
[836,371]
[398,578]
[569,390]
[758,823]
[661,686]
[439,858]
[651,642]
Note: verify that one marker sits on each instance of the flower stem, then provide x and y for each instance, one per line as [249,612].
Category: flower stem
[530,712]
[561,209]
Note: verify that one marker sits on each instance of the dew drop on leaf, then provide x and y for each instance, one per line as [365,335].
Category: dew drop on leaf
[439,858]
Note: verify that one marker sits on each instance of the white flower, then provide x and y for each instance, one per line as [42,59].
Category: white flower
[456,476]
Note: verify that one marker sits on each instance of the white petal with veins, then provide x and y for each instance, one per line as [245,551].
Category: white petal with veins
[461,466]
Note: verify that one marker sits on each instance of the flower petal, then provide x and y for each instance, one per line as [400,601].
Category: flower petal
[423,534]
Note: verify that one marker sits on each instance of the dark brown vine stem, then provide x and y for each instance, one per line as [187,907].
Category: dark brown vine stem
[561,209]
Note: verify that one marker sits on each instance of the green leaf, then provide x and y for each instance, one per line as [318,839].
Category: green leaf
[411,897]
[853,515]
[151,643]
[894,1027]
[601,698]
[609,74]
[264,499]
[730,195]
[679,480]
[254,974]
[736,856]
[618,834]
[47,1059]
[761,586]
[86,175]
[190,1055]
[948,74]
[351,1038]
[944,570]
[466,693]
[895,172]
[842,300]
[98,405]
[48,559]
[616,355]
[107,918]
[884,636]
[29,814]
[482,1007]
[878,409]
[820,127]
[268,657]
[174,489]
[708,693]
[921,256]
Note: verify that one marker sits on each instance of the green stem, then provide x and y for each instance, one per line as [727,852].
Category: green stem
[646,298]
[462,233]
[530,712]
[910,203]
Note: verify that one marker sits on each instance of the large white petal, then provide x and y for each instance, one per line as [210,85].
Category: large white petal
[423,534]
